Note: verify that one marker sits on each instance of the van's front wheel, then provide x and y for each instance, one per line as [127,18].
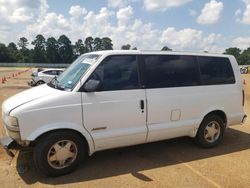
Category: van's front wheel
[210,132]
[59,153]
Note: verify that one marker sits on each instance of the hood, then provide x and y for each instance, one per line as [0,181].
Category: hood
[27,96]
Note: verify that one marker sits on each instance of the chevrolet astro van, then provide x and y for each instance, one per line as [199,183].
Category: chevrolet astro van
[110,99]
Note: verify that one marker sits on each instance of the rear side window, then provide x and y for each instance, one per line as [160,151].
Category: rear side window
[170,71]
[119,72]
[59,72]
[52,72]
[215,70]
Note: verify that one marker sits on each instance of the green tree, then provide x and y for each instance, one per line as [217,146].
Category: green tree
[233,51]
[52,54]
[79,47]
[89,42]
[39,54]
[126,47]
[165,48]
[107,43]
[244,58]
[134,48]
[4,54]
[98,44]
[13,52]
[65,49]
[23,43]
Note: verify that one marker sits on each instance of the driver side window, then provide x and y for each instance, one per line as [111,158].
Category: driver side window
[119,72]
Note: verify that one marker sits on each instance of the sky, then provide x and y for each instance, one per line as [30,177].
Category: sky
[182,25]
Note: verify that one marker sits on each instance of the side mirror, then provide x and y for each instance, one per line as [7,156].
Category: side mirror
[91,85]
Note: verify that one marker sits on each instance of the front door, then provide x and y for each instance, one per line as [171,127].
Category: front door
[115,114]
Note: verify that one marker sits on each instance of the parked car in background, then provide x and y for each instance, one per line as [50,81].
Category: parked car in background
[44,76]
[34,72]
[244,70]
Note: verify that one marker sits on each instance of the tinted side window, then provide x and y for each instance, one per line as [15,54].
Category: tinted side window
[117,73]
[215,70]
[170,71]
[52,72]
[59,72]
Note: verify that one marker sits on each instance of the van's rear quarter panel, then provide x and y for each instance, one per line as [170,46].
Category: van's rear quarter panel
[194,103]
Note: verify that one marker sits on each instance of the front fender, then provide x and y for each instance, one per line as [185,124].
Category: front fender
[62,125]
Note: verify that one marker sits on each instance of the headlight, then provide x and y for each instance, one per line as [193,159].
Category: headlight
[11,123]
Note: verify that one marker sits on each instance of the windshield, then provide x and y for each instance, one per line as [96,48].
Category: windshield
[69,78]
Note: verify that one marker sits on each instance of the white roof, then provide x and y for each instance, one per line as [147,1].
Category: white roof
[51,69]
[152,52]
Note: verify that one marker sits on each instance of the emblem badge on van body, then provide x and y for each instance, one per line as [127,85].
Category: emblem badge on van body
[99,128]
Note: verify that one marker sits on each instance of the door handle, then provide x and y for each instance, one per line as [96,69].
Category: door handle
[142,104]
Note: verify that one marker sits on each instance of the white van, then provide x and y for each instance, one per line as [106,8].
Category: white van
[110,99]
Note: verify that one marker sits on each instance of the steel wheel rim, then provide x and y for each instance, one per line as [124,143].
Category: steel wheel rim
[212,132]
[62,154]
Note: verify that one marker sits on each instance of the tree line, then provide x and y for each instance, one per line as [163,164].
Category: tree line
[242,56]
[61,50]
[51,50]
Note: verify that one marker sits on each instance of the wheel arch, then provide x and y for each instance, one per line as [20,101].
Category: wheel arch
[219,113]
[208,118]
[86,138]
[41,80]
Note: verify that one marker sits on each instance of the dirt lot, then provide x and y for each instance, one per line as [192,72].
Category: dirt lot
[173,163]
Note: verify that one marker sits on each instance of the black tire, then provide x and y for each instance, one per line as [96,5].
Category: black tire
[40,82]
[202,131]
[44,145]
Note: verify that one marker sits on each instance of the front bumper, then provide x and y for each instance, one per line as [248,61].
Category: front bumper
[8,144]
[32,83]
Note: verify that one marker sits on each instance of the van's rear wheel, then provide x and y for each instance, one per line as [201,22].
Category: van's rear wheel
[59,153]
[210,132]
